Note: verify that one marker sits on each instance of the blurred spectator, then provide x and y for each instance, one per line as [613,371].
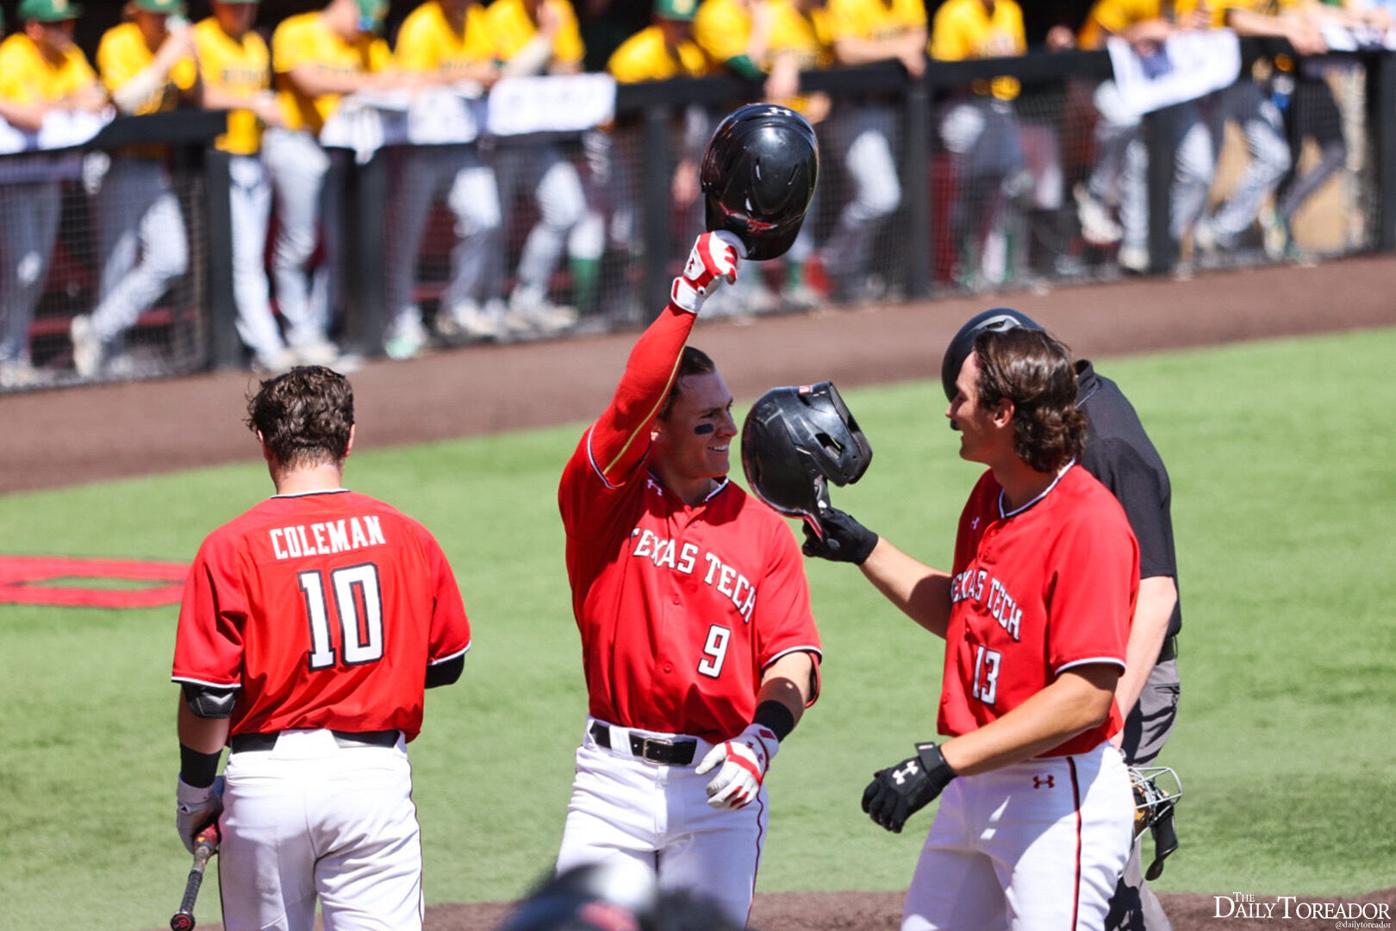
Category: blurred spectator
[318,57]
[860,132]
[41,70]
[723,30]
[445,42]
[665,49]
[534,37]
[796,37]
[148,66]
[1119,179]
[1250,107]
[980,130]
[235,66]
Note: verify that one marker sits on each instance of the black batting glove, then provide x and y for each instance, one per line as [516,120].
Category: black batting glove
[900,791]
[845,540]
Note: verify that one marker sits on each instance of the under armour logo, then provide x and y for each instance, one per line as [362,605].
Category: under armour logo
[974,524]
[906,772]
[1038,782]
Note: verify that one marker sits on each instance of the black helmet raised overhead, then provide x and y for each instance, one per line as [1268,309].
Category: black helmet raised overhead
[798,439]
[758,177]
[997,319]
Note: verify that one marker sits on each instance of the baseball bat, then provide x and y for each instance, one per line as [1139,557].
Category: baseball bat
[205,846]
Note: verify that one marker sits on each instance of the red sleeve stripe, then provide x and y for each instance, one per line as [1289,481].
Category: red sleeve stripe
[644,424]
[447,659]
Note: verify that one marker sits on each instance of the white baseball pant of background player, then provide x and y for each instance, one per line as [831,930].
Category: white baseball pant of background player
[142,241]
[468,185]
[305,204]
[557,190]
[1260,121]
[1123,159]
[991,865]
[249,195]
[861,135]
[627,807]
[29,216]
[346,793]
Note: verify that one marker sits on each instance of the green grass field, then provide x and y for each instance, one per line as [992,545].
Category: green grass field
[1284,490]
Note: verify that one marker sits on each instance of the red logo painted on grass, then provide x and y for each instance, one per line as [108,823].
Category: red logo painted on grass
[21,578]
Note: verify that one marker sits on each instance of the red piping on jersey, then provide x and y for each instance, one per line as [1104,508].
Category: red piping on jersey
[1076,890]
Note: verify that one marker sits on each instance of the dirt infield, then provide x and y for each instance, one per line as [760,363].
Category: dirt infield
[89,434]
[59,438]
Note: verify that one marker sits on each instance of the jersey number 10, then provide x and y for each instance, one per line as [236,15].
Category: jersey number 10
[358,603]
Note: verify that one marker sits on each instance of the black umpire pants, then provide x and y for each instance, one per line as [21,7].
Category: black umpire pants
[1134,907]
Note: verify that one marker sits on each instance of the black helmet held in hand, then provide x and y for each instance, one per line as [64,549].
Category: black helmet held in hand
[798,439]
[758,177]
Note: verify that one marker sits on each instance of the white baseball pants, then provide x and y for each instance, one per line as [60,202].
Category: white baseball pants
[1033,846]
[313,819]
[659,815]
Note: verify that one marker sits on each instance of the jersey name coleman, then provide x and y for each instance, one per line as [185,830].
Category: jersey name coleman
[326,538]
[997,602]
[690,559]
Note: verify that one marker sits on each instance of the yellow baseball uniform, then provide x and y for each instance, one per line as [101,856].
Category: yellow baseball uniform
[237,66]
[122,54]
[645,57]
[427,44]
[722,28]
[306,40]
[26,76]
[874,19]
[1265,7]
[808,36]
[964,29]
[1110,17]
[511,29]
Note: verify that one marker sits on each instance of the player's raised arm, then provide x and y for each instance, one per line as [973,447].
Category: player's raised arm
[619,439]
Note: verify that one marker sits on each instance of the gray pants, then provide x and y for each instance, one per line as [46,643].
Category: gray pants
[305,205]
[557,190]
[861,137]
[249,195]
[29,217]
[1259,119]
[456,173]
[1134,907]
[142,241]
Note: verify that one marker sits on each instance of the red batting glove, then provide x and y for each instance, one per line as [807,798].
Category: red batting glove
[744,760]
[712,261]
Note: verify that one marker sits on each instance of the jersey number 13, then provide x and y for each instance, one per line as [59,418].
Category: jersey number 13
[358,603]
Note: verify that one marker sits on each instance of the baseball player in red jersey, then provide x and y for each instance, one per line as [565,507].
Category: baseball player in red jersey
[1036,820]
[310,626]
[698,644]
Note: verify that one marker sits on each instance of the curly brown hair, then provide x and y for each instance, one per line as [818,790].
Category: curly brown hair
[1035,372]
[304,416]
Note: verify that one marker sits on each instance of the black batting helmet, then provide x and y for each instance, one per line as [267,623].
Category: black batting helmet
[997,319]
[797,440]
[758,177]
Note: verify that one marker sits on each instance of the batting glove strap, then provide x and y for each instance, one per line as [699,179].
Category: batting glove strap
[743,763]
[898,792]
[712,261]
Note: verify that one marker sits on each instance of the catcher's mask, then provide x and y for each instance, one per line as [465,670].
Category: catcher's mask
[1157,790]
[798,439]
[758,177]
[997,319]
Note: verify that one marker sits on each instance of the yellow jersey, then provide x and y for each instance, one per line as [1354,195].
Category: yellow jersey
[963,29]
[306,40]
[1266,7]
[511,29]
[426,43]
[722,28]
[875,19]
[241,67]
[807,36]
[645,57]
[26,76]
[1111,17]
[122,54]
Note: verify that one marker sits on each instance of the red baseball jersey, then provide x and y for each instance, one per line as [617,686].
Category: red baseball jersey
[1034,592]
[680,607]
[323,610]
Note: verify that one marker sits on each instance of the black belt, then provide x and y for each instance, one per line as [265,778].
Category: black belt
[654,749]
[1170,649]
[241,743]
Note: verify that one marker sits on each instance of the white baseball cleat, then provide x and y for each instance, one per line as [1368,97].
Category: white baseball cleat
[1097,226]
[88,351]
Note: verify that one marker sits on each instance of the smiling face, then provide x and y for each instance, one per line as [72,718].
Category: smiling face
[693,441]
[981,431]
